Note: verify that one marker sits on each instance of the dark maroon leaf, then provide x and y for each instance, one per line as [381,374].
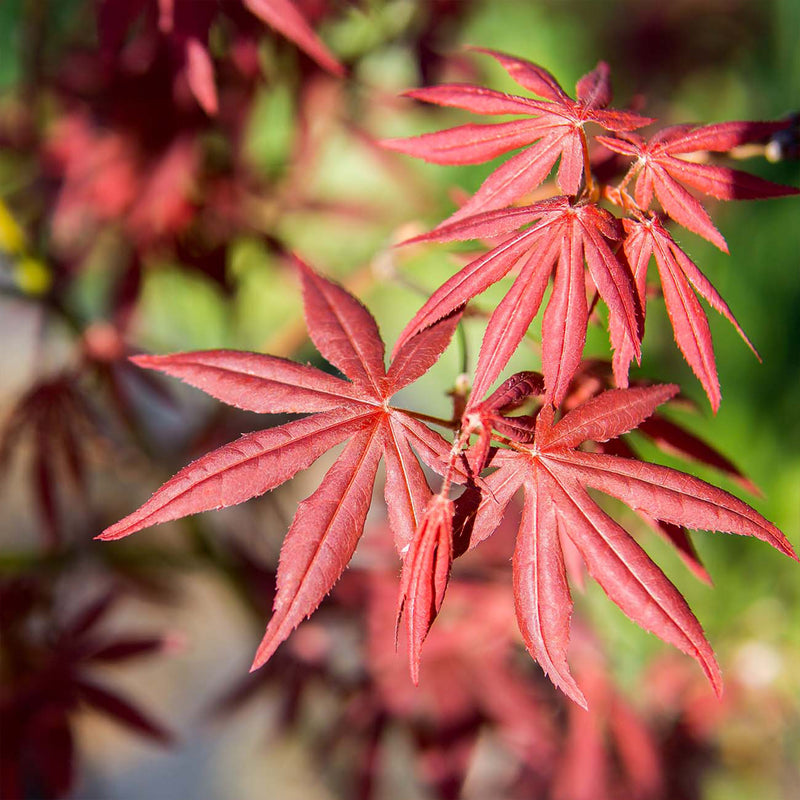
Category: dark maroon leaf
[103,699]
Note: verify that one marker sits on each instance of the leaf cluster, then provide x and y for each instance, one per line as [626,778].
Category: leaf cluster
[615,197]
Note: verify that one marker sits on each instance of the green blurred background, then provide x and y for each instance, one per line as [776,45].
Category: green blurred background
[693,61]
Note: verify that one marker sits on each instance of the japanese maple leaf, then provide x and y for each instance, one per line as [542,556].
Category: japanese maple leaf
[554,129]
[54,421]
[554,476]
[329,523]
[49,677]
[188,23]
[658,169]
[564,237]
[680,280]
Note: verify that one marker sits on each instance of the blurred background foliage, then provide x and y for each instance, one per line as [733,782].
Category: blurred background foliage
[131,219]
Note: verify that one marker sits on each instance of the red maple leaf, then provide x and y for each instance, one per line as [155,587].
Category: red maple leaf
[188,24]
[554,129]
[554,476]
[564,237]
[659,170]
[329,523]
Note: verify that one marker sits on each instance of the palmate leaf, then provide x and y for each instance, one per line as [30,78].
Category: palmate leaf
[329,523]
[659,170]
[554,476]
[189,34]
[565,236]
[50,651]
[555,131]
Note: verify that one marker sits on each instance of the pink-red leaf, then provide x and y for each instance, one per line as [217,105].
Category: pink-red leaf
[565,237]
[608,415]
[556,476]
[255,382]
[541,595]
[284,17]
[246,468]
[555,132]
[328,524]
[659,170]
[322,539]
[343,330]
[426,571]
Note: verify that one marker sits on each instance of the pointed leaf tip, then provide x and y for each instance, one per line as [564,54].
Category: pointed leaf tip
[285,17]
[144,360]
[542,599]
[247,467]
[343,330]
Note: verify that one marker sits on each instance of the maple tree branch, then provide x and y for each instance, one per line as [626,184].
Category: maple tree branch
[620,188]
[462,338]
[592,189]
[619,197]
[444,423]
[498,437]
[593,304]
